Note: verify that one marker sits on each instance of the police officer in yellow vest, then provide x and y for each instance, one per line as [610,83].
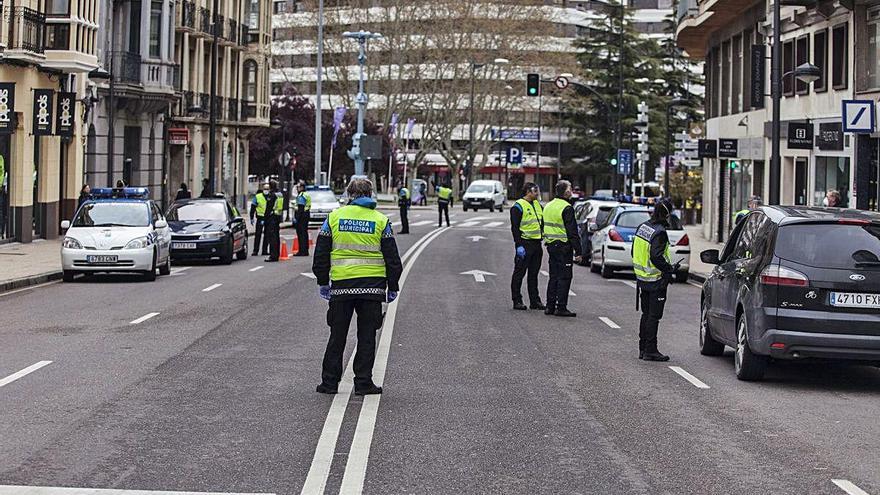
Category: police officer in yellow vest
[404,200]
[444,202]
[258,214]
[274,208]
[526,224]
[356,262]
[302,218]
[563,249]
[753,204]
[654,269]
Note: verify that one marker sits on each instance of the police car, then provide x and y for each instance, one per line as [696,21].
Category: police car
[324,201]
[117,230]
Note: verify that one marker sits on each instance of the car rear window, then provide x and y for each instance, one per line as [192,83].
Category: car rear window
[830,245]
[213,211]
[602,215]
[632,219]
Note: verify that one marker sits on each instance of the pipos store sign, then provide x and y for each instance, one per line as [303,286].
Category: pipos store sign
[43,112]
[64,114]
[7,108]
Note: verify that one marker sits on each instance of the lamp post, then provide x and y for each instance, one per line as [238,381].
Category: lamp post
[355,153]
[212,114]
[470,156]
[669,106]
[318,79]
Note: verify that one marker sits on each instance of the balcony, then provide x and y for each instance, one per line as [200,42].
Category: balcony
[205,102]
[126,67]
[232,31]
[159,76]
[25,34]
[204,20]
[233,107]
[245,33]
[188,15]
[221,26]
[698,19]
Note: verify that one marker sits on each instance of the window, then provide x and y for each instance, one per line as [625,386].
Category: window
[802,56]
[747,71]
[155,29]
[840,56]
[134,27]
[737,98]
[872,54]
[280,7]
[820,59]
[57,7]
[788,66]
[831,173]
[250,81]
[253,15]
[725,78]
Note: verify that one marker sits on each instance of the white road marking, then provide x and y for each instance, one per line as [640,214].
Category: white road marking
[179,270]
[57,490]
[319,471]
[479,275]
[211,287]
[143,318]
[309,275]
[27,371]
[475,238]
[608,322]
[420,223]
[16,291]
[469,223]
[571,292]
[358,456]
[689,377]
[849,487]
[545,273]
[493,224]
[627,282]
[256,268]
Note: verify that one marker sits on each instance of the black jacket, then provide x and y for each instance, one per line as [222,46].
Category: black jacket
[571,230]
[516,215]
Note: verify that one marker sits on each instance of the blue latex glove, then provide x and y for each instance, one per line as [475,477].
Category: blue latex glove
[520,252]
[392,295]
[324,292]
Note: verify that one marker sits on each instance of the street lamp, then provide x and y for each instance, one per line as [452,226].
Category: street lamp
[669,106]
[474,67]
[362,99]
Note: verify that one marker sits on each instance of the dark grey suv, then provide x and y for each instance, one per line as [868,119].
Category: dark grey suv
[794,283]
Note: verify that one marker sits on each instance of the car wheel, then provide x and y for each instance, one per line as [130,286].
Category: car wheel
[500,208]
[464,208]
[708,345]
[226,257]
[748,365]
[68,275]
[491,207]
[607,271]
[594,268]
[243,254]
[150,275]
[165,269]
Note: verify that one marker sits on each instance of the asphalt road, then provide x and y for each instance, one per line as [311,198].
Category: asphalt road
[215,392]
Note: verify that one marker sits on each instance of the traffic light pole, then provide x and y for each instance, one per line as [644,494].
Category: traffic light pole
[355,152]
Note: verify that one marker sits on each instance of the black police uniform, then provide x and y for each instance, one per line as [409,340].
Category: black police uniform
[272,227]
[561,256]
[404,203]
[529,264]
[652,295]
[302,218]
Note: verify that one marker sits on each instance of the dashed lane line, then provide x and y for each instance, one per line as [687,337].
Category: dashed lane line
[143,318]
[609,322]
[256,268]
[27,371]
[849,487]
[57,490]
[545,273]
[689,377]
[211,287]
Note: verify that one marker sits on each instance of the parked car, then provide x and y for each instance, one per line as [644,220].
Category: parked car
[488,194]
[612,243]
[206,228]
[118,230]
[794,283]
[590,215]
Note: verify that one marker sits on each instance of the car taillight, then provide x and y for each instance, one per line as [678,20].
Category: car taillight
[684,241]
[782,276]
[853,221]
[615,236]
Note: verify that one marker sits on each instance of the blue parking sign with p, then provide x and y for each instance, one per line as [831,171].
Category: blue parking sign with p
[514,155]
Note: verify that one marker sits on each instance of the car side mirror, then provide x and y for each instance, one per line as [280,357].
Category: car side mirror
[161,223]
[710,257]
[65,224]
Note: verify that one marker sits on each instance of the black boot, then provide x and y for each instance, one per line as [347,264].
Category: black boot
[537,305]
[326,389]
[519,306]
[549,311]
[565,312]
[654,356]
[369,390]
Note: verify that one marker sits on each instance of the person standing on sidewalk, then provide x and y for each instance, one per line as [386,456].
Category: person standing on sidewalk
[563,249]
[444,202]
[526,224]
[302,218]
[272,221]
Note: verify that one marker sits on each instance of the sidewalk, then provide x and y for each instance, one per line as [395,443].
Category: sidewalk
[23,265]
[699,270]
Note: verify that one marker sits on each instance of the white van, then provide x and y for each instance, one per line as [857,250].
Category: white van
[488,194]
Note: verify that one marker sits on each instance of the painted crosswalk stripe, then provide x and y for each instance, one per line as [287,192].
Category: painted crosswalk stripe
[608,322]
[422,222]
[211,287]
[469,223]
[849,487]
[57,490]
[493,224]
[689,377]
[143,318]
[256,268]
[27,371]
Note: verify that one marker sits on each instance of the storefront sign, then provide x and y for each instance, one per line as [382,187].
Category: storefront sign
[7,108]
[758,68]
[800,136]
[516,134]
[728,148]
[830,137]
[178,136]
[43,112]
[708,148]
[64,114]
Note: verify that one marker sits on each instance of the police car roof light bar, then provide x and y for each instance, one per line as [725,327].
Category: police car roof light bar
[120,192]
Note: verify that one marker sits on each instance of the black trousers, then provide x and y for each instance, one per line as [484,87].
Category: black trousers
[260,240]
[530,264]
[302,232]
[369,320]
[652,303]
[404,220]
[561,260]
[443,208]
[273,235]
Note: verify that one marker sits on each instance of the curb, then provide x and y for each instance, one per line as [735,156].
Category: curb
[23,282]
[697,277]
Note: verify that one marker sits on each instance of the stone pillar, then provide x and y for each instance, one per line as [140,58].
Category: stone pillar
[48,189]
[21,180]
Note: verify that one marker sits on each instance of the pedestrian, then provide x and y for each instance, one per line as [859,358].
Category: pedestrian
[183,192]
[754,203]
[654,270]
[85,194]
[206,188]
[272,221]
[258,214]
[526,224]
[423,193]
[301,218]
[563,248]
[832,199]
[120,184]
[356,262]
[444,202]
[404,201]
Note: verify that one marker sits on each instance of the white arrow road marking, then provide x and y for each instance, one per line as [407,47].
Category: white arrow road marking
[849,487]
[256,268]
[479,275]
[571,292]
[627,282]
[27,371]
[143,318]
[475,238]
[494,224]
[211,287]
[545,273]
[608,322]
[55,490]
[309,275]
[689,377]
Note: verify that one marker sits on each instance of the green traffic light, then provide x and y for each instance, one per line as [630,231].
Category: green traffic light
[733,165]
[614,161]
[533,91]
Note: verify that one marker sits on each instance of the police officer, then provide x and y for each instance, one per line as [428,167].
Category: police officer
[404,200]
[258,215]
[654,269]
[754,203]
[356,261]
[563,248]
[526,224]
[302,217]
[272,220]
[444,201]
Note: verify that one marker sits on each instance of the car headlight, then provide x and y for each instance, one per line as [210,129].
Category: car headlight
[211,235]
[71,243]
[139,243]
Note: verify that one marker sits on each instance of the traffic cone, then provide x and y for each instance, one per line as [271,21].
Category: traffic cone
[284,255]
[294,248]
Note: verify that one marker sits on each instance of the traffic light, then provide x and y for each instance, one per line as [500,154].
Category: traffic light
[734,165]
[614,162]
[533,84]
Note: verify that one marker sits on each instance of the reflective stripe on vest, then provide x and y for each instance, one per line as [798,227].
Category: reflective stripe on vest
[554,226]
[530,226]
[356,236]
[641,254]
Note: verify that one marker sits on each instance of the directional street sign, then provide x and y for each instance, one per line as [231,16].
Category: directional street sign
[479,275]
[514,155]
[624,162]
[859,116]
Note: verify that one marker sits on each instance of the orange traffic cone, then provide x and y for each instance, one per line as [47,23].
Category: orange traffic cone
[284,256]
[294,248]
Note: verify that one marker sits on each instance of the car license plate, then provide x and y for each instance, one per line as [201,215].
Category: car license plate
[851,300]
[99,258]
[183,245]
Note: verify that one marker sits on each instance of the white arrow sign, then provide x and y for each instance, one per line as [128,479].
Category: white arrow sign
[309,275]
[476,238]
[479,275]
